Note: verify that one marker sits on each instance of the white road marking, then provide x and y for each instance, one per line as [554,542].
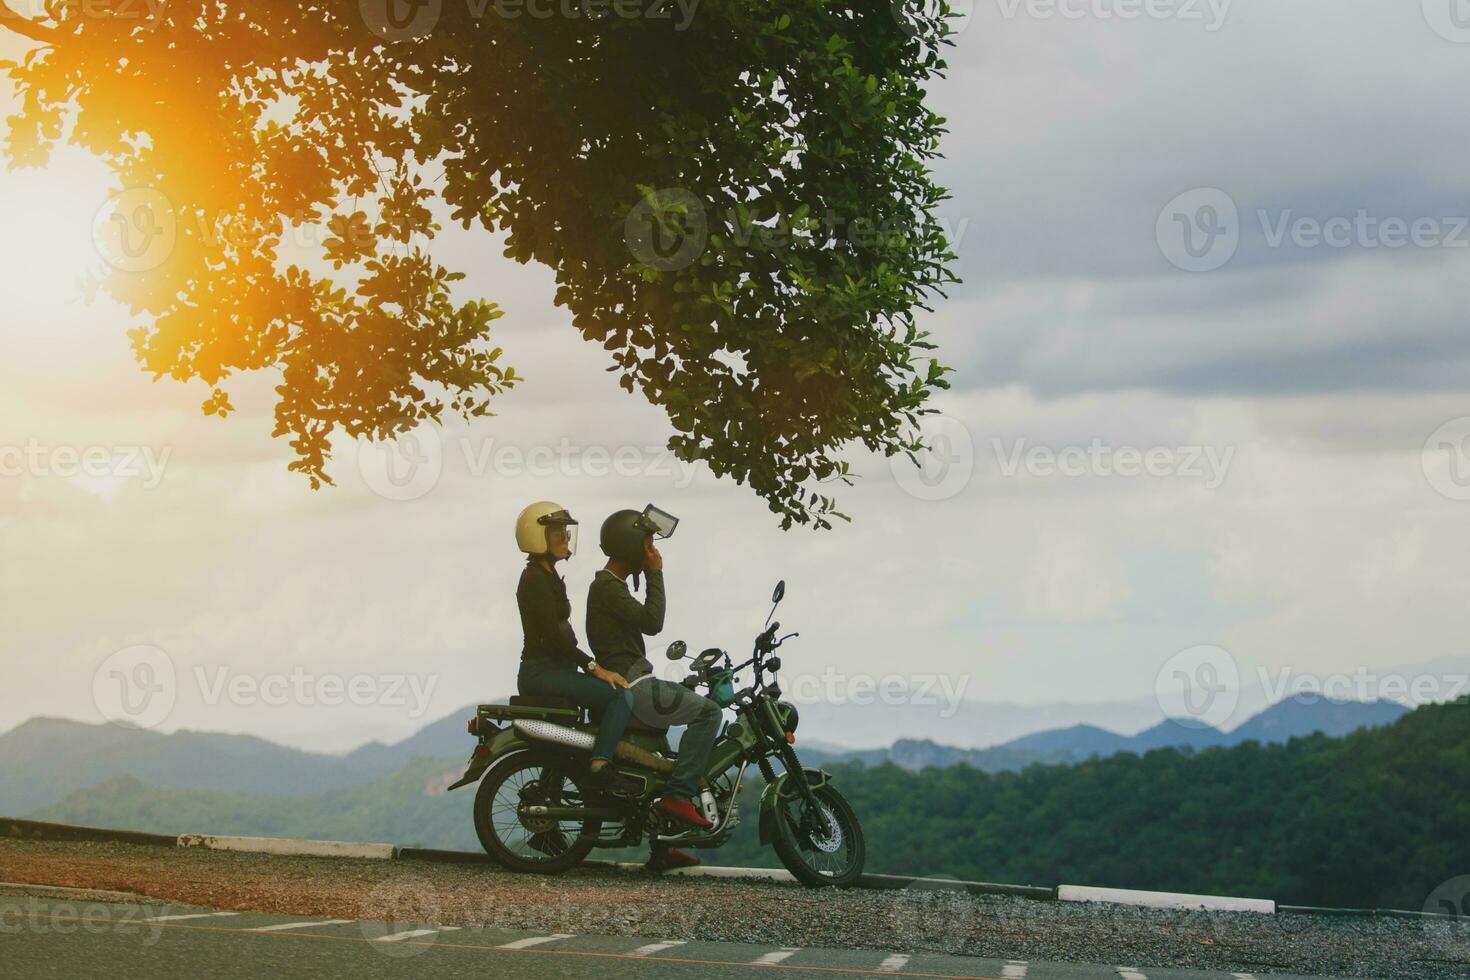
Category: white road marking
[776,956]
[1014,970]
[398,937]
[1128,973]
[894,963]
[193,915]
[535,941]
[299,925]
[1242,976]
[652,948]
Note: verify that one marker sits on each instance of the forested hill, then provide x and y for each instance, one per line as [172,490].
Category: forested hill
[1378,817]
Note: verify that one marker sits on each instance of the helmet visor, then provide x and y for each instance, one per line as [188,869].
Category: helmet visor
[659,523]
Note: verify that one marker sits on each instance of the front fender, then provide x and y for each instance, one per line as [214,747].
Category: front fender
[487,752]
[773,791]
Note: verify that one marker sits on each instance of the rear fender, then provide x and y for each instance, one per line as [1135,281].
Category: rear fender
[774,791]
[490,748]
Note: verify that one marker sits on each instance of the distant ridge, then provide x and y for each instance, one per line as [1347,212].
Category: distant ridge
[45,759]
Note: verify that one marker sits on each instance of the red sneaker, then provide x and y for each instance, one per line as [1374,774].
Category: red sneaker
[670,859]
[683,810]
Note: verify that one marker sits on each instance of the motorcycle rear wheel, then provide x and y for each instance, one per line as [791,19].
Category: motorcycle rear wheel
[819,848]
[517,843]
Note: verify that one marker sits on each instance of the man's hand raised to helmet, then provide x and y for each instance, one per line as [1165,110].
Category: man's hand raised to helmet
[652,560]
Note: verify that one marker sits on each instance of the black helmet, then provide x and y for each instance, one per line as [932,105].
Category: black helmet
[624,535]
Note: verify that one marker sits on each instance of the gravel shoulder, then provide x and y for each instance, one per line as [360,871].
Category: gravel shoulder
[614,902]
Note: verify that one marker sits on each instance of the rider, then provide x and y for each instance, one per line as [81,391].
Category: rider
[616,625]
[550,658]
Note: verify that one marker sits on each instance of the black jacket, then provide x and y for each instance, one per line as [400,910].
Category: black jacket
[617,622]
[546,618]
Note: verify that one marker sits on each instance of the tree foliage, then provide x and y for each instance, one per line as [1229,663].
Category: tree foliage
[734,197]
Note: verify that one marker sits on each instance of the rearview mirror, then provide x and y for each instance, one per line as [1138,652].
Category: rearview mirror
[780,592]
[677,650]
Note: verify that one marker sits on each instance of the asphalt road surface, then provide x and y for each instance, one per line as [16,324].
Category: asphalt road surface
[41,939]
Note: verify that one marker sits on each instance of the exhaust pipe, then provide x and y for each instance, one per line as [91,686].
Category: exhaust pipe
[546,731]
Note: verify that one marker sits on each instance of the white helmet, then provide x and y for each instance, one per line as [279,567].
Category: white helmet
[534,523]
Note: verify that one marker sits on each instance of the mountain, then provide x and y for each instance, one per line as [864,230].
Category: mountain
[1301,716]
[916,754]
[443,739]
[1292,718]
[44,759]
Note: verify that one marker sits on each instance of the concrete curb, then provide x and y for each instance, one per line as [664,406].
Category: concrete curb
[1036,892]
[38,830]
[1366,913]
[1164,900]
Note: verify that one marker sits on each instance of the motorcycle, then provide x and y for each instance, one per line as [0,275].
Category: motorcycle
[535,812]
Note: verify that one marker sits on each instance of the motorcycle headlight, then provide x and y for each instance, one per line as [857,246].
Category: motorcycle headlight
[789,715]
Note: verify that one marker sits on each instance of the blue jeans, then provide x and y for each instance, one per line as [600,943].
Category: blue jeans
[663,704]
[549,680]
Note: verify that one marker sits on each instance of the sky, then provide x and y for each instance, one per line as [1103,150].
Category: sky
[1209,426]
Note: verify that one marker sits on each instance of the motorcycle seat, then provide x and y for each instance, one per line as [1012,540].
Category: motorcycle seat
[530,701]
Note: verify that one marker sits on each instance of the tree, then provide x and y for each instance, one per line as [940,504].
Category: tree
[736,203]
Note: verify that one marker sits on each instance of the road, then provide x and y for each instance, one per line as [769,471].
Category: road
[42,939]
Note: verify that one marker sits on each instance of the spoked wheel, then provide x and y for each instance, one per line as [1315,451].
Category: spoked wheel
[522,841]
[821,845]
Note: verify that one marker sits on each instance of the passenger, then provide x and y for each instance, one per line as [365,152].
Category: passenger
[552,665]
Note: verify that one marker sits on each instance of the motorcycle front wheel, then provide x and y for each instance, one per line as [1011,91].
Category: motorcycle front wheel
[518,841]
[821,845]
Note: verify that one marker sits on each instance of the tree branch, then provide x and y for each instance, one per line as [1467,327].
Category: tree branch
[26,27]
